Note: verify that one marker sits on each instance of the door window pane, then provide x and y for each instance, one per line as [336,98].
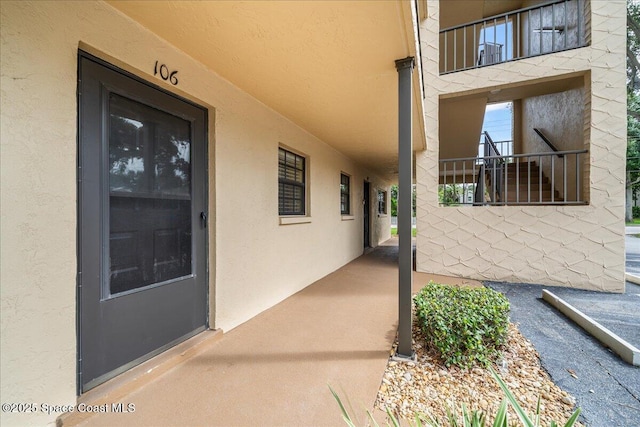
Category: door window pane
[126,151]
[150,195]
[172,168]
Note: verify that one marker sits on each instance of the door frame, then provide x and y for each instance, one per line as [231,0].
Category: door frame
[366,207]
[79,223]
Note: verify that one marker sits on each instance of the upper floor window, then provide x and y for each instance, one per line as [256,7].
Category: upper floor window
[345,194]
[291,183]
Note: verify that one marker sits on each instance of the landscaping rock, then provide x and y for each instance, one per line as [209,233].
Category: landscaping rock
[428,387]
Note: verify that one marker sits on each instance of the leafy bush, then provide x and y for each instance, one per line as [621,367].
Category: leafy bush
[466,325]
[635,211]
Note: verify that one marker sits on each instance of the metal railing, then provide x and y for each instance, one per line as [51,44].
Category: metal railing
[515,179]
[530,31]
[491,160]
[547,141]
[503,147]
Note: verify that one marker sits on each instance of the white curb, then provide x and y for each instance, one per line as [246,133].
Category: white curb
[632,278]
[626,351]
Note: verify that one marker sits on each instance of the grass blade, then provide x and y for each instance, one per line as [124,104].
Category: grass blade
[571,421]
[345,414]
[501,419]
[519,411]
[393,418]
[418,421]
[375,423]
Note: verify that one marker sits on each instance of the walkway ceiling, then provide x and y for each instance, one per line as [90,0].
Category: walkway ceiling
[513,91]
[326,65]
[462,141]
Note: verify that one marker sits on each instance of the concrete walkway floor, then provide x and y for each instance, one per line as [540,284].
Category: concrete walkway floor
[274,370]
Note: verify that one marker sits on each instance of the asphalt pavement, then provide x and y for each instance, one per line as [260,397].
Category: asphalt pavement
[606,388]
[632,242]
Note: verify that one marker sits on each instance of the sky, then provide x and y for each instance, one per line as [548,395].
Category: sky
[498,122]
[497,35]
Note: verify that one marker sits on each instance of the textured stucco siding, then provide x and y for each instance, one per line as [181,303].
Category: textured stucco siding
[560,116]
[581,247]
[255,262]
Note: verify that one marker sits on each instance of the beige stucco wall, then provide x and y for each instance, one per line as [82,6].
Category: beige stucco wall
[560,116]
[566,246]
[255,261]
[460,132]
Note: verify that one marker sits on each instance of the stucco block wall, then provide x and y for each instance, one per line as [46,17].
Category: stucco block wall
[255,262]
[458,141]
[580,247]
[560,116]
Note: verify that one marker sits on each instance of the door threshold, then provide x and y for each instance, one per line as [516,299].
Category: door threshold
[137,377]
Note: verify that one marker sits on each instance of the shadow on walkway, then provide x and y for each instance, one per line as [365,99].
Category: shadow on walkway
[275,368]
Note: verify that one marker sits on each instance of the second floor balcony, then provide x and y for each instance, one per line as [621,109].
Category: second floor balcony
[509,35]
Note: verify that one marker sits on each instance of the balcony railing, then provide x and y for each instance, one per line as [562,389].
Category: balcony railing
[531,31]
[505,147]
[553,178]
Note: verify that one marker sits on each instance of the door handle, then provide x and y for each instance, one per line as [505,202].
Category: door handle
[203,217]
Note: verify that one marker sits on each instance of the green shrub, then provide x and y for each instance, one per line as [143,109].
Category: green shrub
[635,211]
[466,325]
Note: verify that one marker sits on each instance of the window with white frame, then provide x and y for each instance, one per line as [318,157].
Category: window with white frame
[291,183]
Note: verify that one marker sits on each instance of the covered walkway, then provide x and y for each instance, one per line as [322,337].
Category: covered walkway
[275,369]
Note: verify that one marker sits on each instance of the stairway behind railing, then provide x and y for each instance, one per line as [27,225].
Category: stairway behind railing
[491,167]
[514,179]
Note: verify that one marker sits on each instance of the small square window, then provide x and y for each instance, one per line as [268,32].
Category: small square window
[345,194]
[291,183]
[382,202]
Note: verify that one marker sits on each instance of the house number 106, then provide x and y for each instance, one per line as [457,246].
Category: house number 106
[165,74]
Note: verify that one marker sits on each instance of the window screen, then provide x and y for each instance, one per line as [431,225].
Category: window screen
[291,183]
[345,191]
